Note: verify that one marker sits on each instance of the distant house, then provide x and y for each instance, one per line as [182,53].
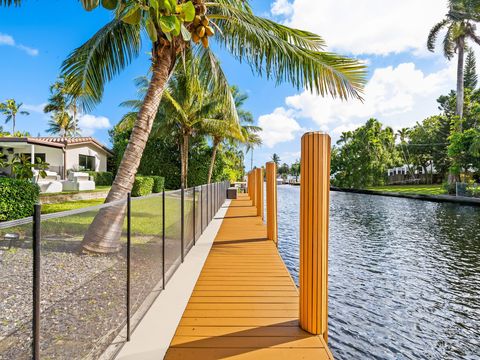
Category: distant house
[410,174]
[61,153]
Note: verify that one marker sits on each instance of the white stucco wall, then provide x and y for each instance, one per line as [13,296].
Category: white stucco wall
[73,151]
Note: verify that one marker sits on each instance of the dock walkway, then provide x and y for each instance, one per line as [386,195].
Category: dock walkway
[245,303]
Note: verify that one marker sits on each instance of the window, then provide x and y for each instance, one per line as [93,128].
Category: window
[40,156]
[86,162]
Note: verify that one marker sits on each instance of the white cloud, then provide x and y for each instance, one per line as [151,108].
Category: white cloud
[278,127]
[397,96]
[34,108]
[8,40]
[90,123]
[378,27]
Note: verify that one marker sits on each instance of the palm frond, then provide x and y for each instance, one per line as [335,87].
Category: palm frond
[89,67]
[286,54]
[449,43]
[132,104]
[10,2]
[433,35]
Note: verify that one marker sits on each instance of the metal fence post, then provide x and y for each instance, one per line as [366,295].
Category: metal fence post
[182,220]
[36,238]
[194,219]
[201,209]
[129,248]
[163,239]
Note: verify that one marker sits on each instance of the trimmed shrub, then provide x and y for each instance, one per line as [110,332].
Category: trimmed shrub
[102,178]
[158,183]
[142,186]
[17,198]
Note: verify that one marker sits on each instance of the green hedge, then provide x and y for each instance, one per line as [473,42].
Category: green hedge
[158,184]
[17,198]
[142,186]
[102,178]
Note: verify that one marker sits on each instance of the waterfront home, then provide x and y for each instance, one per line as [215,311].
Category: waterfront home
[61,153]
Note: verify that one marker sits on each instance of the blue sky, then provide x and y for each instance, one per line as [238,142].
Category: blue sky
[404,79]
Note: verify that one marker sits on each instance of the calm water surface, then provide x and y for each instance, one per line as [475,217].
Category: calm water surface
[404,279]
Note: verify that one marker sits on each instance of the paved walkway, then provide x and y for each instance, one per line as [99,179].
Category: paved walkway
[244,304]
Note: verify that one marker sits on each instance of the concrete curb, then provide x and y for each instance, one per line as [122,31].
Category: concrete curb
[460,200]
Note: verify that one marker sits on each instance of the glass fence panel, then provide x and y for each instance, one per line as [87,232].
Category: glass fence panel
[204,208]
[83,293]
[198,212]
[173,244]
[16,281]
[188,220]
[146,254]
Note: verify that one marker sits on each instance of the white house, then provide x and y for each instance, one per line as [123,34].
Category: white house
[61,153]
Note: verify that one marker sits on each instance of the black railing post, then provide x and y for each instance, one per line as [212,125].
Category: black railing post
[129,248]
[163,239]
[207,205]
[36,239]
[182,220]
[194,219]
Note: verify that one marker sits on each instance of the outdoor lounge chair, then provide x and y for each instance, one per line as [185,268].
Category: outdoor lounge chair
[50,183]
[78,181]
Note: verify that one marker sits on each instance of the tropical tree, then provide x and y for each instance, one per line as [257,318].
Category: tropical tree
[279,52]
[62,124]
[231,131]
[470,78]
[460,23]
[63,103]
[276,159]
[10,109]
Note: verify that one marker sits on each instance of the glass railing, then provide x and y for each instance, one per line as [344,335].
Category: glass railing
[59,302]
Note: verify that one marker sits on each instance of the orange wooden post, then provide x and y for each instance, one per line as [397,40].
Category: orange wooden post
[314,214]
[272,228]
[253,195]
[259,191]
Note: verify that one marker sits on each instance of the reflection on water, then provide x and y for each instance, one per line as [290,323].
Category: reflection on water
[404,279]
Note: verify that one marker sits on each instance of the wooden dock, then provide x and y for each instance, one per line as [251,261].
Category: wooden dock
[245,304]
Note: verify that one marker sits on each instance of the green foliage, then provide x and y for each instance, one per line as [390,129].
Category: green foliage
[158,184]
[10,109]
[470,78]
[102,178]
[464,150]
[23,169]
[362,157]
[143,185]
[17,198]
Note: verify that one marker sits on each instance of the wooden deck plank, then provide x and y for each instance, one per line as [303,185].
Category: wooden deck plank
[245,304]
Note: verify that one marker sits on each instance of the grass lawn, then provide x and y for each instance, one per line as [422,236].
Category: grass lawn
[71,205]
[146,216]
[411,189]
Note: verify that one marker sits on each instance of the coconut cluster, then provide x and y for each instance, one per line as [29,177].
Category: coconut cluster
[202,30]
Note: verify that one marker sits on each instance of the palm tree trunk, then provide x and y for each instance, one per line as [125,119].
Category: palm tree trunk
[13,125]
[212,161]
[184,156]
[103,235]
[460,75]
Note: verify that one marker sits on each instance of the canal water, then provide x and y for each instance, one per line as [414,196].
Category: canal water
[404,275]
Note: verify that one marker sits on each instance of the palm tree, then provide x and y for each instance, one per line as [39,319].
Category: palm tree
[460,23]
[63,102]
[10,109]
[276,159]
[279,52]
[231,131]
[62,124]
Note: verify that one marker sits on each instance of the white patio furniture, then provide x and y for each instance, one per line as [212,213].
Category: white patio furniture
[50,183]
[78,181]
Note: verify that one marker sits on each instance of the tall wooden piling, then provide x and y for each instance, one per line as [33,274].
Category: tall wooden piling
[253,195]
[259,191]
[272,227]
[314,215]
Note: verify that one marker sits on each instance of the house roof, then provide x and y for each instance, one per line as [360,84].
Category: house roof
[58,142]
